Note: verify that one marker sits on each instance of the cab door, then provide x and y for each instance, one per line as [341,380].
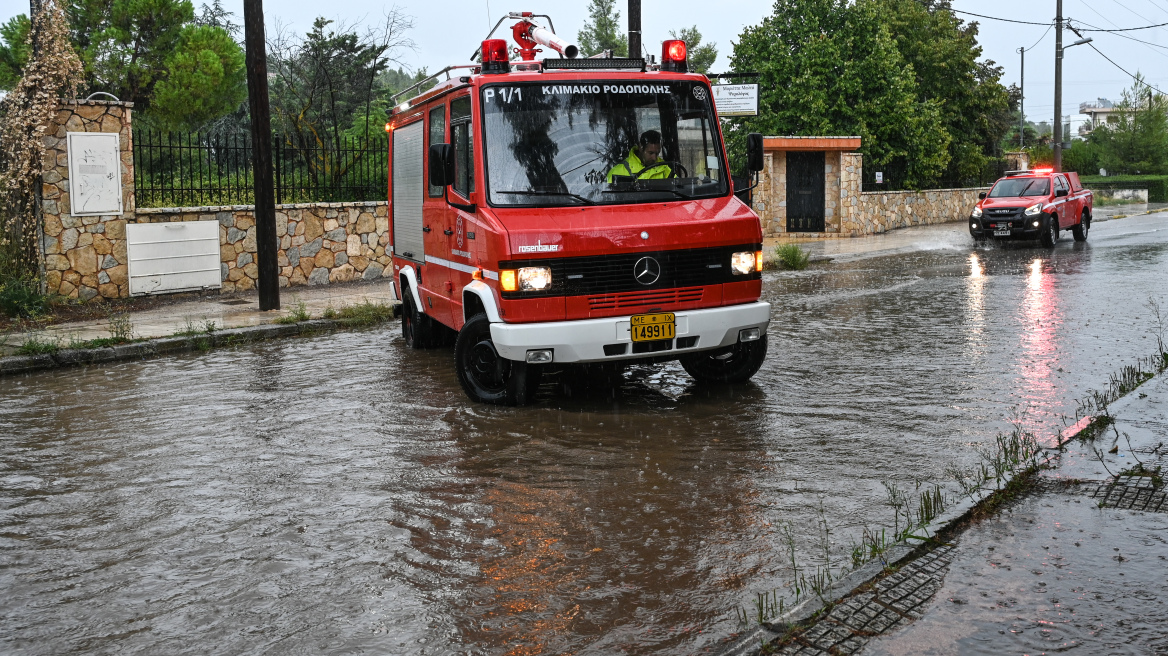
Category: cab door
[462,137]
[436,277]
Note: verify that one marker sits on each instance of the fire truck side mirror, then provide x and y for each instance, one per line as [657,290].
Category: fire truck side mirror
[441,165]
[754,151]
[981,196]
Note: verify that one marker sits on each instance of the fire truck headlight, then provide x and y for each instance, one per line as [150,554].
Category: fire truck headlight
[976,213]
[534,279]
[742,263]
[1034,210]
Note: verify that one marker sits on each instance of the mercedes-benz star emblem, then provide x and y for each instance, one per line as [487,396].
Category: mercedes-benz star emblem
[647,270]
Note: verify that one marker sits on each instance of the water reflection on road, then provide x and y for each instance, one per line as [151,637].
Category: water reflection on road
[338,494]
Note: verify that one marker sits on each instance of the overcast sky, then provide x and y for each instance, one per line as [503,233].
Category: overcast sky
[447,31]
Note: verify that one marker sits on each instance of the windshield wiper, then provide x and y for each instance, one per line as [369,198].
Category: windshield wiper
[649,189]
[544,192]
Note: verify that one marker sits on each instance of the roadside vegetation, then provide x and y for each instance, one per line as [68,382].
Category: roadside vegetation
[791,257]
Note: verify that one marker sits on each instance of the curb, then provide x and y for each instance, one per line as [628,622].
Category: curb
[19,364]
[753,640]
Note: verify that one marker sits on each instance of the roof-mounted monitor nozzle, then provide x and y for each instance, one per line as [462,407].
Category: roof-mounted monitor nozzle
[528,35]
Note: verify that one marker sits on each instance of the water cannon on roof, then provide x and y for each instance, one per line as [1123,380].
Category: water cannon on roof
[529,34]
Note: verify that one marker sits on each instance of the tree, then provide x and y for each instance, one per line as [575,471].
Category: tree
[943,53]
[701,57]
[830,67]
[1138,141]
[205,79]
[128,56]
[26,113]
[14,50]
[602,31]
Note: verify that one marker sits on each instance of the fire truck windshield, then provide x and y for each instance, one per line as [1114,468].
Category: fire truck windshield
[601,142]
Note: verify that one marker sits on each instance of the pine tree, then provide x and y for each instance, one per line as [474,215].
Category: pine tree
[602,31]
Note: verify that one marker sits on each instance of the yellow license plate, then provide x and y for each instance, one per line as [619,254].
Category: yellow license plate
[651,327]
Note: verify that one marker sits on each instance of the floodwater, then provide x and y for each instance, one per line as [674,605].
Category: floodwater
[340,495]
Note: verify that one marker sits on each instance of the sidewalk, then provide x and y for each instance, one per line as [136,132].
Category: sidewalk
[1077,562]
[239,310]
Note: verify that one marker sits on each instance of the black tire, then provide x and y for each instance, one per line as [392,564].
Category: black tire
[1080,231]
[485,376]
[418,330]
[734,364]
[1049,236]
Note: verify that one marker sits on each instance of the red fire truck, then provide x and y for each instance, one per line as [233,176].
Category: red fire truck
[1034,204]
[572,210]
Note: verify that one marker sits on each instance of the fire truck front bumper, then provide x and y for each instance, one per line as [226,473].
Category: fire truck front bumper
[610,339]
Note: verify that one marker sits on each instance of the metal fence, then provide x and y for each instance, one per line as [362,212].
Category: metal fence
[191,169]
[893,176]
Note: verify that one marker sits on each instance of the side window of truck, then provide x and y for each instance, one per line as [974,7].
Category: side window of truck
[462,136]
[437,136]
[1060,183]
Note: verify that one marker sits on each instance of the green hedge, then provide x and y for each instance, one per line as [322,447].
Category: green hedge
[1157,185]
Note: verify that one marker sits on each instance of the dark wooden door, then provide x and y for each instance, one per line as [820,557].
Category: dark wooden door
[805,191]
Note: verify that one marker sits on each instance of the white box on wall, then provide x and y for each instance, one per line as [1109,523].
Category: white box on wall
[173,257]
[95,173]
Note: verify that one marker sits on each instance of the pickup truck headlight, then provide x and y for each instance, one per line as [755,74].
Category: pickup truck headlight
[1034,210]
[534,279]
[976,213]
[742,263]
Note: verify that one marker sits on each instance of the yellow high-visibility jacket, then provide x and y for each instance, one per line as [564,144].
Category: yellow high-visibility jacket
[632,166]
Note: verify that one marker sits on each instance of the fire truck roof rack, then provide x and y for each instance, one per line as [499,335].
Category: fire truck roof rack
[413,87]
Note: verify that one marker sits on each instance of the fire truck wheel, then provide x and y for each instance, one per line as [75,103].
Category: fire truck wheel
[487,377]
[1050,236]
[1080,231]
[735,364]
[418,330]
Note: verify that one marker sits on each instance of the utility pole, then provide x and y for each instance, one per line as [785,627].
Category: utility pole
[261,154]
[1058,87]
[1022,101]
[635,29]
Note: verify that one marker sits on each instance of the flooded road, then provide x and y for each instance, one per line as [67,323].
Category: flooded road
[340,495]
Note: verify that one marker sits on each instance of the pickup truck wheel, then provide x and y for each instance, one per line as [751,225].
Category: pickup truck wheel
[486,376]
[1050,236]
[734,364]
[1080,231]
[418,330]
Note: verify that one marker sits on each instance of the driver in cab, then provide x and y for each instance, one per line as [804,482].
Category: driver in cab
[642,162]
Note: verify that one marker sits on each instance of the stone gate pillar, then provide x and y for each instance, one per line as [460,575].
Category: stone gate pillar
[85,256]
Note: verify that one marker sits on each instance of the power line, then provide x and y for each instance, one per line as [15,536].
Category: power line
[1130,38]
[1004,20]
[1048,29]
[1127,29]
[1123,69]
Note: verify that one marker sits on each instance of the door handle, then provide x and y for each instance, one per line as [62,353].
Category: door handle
[426,229]
[448,232]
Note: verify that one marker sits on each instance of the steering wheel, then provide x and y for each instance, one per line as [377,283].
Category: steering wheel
[673,168]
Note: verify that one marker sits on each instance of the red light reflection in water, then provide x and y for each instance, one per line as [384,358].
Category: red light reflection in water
[1041,319]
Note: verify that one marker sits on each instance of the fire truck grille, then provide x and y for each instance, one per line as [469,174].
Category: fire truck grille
[635,300]
[614,279]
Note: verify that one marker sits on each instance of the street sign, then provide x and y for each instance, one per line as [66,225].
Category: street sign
[736,99]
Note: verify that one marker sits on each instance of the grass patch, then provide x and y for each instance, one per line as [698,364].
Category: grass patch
[37,344]
[194,328]
[365,313]
[1118,202]
[1140,469]
[791,257]
[295,315]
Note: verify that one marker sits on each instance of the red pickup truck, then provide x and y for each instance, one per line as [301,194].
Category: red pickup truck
[1034,204]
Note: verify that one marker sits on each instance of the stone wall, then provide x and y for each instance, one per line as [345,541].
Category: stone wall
[319,243]
[86,257]
[850,212]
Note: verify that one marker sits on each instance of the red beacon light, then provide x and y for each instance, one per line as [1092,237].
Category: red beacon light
[1043,171]
[673,56]
[495,59]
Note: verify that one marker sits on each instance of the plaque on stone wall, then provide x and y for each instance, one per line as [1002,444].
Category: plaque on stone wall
[95,173]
